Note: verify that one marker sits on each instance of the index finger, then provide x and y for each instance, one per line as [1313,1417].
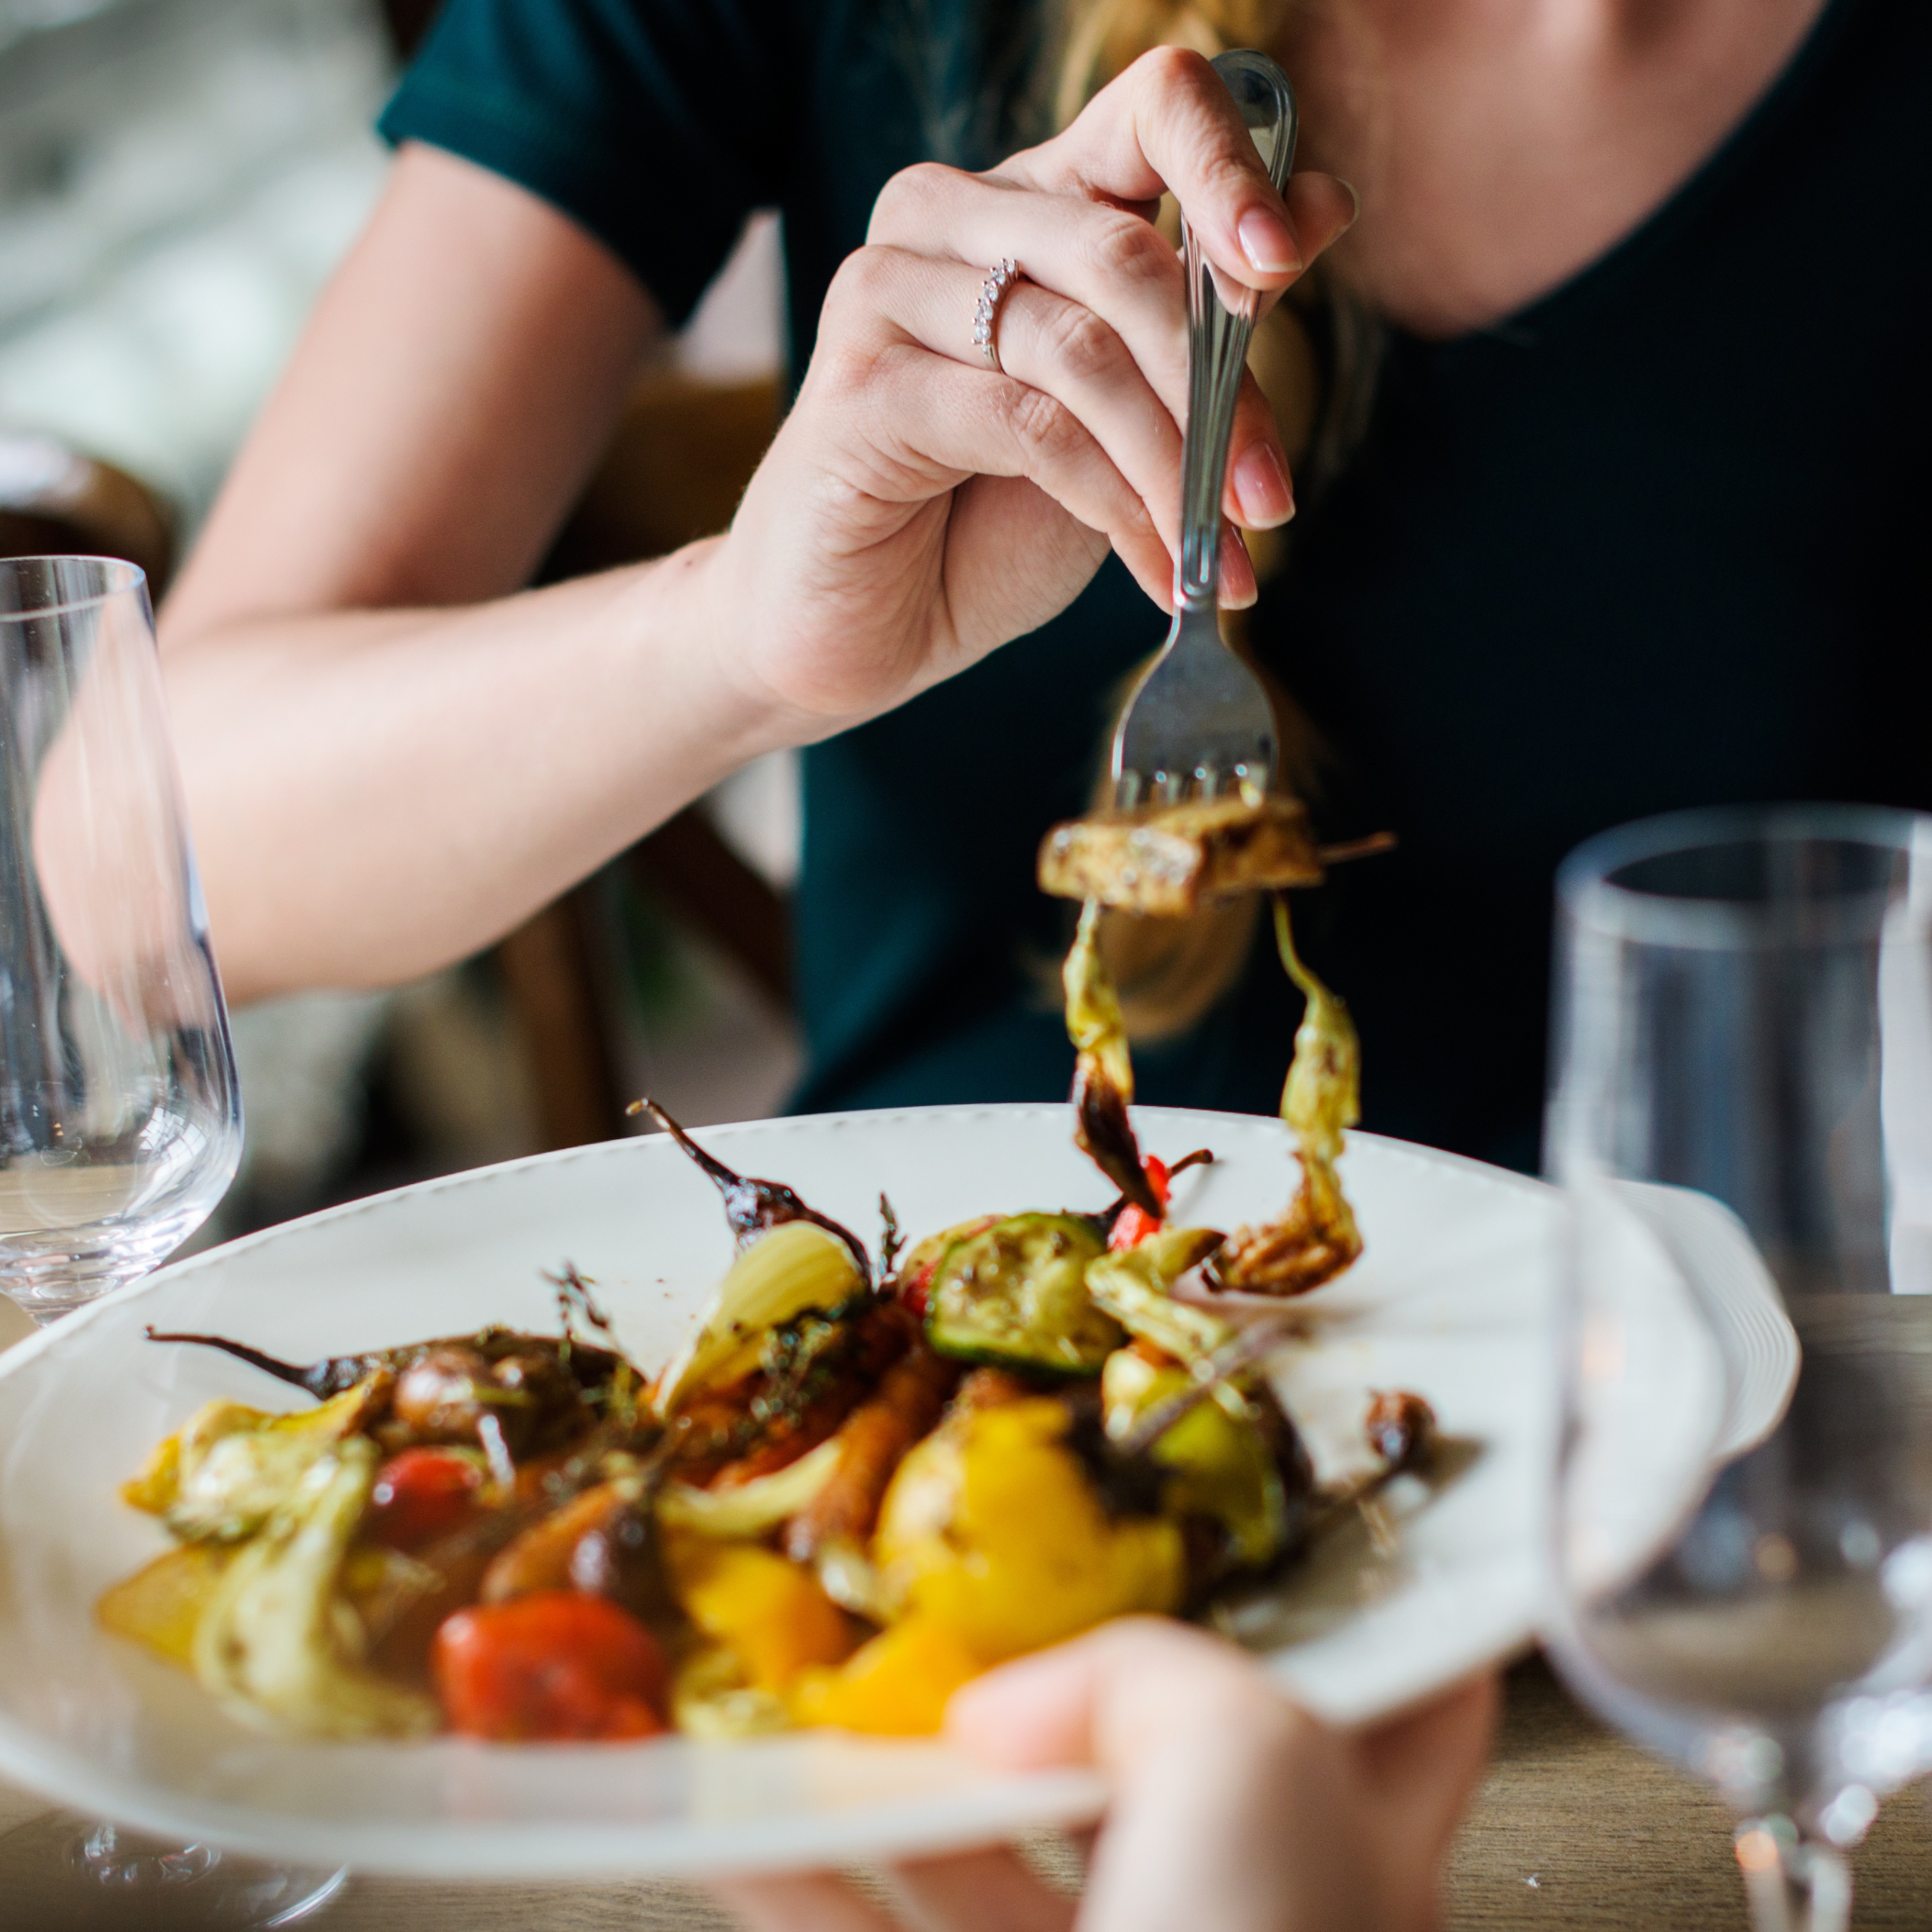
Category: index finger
[1169,124]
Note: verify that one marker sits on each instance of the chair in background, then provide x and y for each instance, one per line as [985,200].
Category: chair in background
[56,502]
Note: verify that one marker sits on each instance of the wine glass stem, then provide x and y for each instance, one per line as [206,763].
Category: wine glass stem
[1792,1881]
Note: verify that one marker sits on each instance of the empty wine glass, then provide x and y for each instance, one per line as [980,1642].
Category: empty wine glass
[1742,1117]
[120,1112]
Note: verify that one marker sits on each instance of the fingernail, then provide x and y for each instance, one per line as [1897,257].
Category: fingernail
[1234,545]
[1268,243]
[1354,201]
[1262,488]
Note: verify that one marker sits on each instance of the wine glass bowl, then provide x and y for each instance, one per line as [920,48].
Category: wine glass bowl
[1741,1117]
[120,1111]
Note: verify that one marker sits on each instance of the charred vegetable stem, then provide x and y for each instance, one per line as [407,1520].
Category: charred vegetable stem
[752,1206]
[1103,1073]
[315,1377]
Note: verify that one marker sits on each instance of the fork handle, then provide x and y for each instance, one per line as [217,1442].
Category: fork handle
[1218,337]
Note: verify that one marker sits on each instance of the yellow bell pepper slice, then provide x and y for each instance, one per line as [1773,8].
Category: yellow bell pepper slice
[895,1686]
[160,1606]
[993,1528]
[768,1611]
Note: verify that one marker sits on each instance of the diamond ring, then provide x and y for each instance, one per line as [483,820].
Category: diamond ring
[985,316]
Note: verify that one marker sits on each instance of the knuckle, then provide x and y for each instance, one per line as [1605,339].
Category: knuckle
[1123,249]
[907,200]
[1163,70]
[1044,428]
[858,296]
[1079,342]
[845,366]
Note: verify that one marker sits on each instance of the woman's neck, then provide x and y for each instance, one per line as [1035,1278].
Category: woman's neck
[1501,146]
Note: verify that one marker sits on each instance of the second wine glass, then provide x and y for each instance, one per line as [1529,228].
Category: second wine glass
[1741,1117]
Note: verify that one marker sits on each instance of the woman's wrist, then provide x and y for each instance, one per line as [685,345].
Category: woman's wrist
[681,633]
[704,612]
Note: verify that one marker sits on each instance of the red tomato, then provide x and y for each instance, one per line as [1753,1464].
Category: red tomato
[1134,1224]
[419,1496]
[915,1292]
[552,1665]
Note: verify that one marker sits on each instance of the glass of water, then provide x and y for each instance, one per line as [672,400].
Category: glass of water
[1741,1117]
[120,1113]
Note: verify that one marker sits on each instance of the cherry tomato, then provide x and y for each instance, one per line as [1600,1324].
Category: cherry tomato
[915,1292]
[1135,1224]
[419,1496]
[552,1665]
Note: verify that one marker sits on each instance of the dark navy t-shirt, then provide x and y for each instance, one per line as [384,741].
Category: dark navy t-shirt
[1654,541]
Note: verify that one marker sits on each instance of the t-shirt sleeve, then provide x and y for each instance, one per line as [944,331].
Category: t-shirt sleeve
[655,124]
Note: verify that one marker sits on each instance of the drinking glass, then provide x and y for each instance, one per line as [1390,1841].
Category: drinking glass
[120,1112]
[1742,1118]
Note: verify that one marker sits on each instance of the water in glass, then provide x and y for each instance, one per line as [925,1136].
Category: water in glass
[1741,1117]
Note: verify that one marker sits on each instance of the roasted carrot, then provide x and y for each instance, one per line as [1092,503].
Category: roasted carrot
[874,1437]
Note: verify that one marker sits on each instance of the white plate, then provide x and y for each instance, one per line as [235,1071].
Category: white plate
[1450,1299]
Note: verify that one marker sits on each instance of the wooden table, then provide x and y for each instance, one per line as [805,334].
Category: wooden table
[1573,1827]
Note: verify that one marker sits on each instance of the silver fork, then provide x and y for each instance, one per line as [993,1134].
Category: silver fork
[1199,722]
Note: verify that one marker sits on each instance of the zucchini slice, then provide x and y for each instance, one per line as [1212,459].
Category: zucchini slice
[1015,1294]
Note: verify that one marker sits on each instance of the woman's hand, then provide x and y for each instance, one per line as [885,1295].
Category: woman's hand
[918,509]
[1232,1810]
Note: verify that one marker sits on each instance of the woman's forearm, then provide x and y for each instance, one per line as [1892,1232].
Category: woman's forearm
[374,794]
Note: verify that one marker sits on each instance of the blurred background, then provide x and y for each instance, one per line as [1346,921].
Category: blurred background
[178,177]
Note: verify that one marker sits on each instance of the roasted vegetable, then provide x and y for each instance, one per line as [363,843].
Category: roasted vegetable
[276,1640]
[1103,1072]
[421,1494]
[1132,1288]
[897,1685]
[564,1367]
[753,1508]
[539,1557]
[770,1614]
[913,1283]
[557,1666]
[603,1543]
[231,1467]
[713,1698]
[161,1605]
[1401,1429]
[996,1529]
[813,1371]
[795,1269]
[1224,1465]
[1171,860]
[1317,1238]
[1016,1293]
[754,1207]
[837,1522]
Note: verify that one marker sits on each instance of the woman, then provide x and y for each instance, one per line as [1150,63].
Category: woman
[1614,390]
